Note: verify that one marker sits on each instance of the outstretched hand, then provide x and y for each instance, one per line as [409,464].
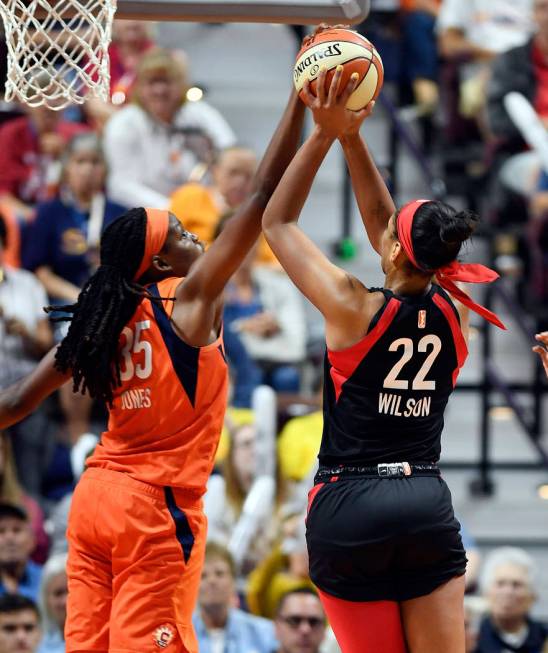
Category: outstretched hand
[329,110]
[322,27]
[541,349]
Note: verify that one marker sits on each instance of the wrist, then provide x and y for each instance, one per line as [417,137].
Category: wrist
[349,138]
[322,137]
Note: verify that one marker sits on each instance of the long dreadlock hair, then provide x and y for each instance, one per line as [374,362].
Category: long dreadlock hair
[105,305]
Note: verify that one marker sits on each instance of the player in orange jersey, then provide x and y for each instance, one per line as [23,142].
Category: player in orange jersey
[150,344]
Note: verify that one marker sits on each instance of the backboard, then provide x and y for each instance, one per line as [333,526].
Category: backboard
[305,12]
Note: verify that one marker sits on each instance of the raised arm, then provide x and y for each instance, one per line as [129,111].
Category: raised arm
[329,288]
[21,398]
[374,201]
[211,272]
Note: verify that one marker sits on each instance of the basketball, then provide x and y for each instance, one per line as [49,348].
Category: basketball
[344,47]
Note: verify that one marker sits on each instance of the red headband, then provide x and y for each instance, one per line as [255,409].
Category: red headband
[157,225]
[447,274]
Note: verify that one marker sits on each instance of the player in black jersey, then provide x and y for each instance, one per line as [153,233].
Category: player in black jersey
[384,545]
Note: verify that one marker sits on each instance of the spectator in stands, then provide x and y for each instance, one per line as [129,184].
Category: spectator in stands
[542,349]
[475,31]
[244,485]
[25,336]
[11,492]
[300,622]
[19,624]
[30,148]
[148,143]
[203,208]
[18,574]
[62,245]
[420,51]
[283,570]
[131,39]
[219,625]
[53,604]
[508,583]
[267,312]
[200,207]
[523,69]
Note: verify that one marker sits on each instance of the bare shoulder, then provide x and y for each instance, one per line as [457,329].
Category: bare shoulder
[361,306]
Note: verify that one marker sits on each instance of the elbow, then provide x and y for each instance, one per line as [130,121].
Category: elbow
[11,406]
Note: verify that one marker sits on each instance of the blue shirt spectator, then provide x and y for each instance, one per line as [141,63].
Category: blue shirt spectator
[62,244]
[243,633]
[18,574]
[59,239]
[221,628]
[52,643]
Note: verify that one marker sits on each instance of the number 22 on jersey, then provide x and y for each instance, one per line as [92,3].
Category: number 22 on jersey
[430,345]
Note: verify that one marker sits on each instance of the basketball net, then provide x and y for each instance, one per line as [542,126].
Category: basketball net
[57,50]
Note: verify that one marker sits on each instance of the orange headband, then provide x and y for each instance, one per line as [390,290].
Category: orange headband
[157,226]
[447,274]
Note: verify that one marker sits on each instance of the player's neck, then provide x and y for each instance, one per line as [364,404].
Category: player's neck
[401,283]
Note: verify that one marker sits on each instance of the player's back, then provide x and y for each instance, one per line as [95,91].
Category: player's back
[167,415]
[385,396]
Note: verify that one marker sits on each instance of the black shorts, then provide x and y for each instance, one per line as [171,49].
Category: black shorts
[383,539]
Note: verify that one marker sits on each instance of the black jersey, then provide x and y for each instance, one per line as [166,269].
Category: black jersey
[385,396]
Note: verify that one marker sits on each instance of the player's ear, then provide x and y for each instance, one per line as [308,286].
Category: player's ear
[396,253]
[160,264]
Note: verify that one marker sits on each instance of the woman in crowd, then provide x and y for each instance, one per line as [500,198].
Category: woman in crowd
[53,604]
[62,245]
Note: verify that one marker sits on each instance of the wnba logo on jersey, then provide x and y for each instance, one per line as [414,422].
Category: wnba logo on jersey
[422,319]
[163,636]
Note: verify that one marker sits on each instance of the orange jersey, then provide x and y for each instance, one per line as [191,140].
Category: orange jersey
[166,418]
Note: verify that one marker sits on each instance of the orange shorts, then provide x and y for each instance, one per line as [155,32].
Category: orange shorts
[135,558]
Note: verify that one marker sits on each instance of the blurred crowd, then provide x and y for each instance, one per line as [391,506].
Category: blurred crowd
[64,176]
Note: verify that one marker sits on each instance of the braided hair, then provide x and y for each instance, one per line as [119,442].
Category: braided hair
[104,306]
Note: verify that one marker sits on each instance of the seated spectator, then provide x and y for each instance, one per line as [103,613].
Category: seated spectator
[148,143]
[19,624]
[300,622]
[267,312]
[30,148]
[508,583]
[18,574]
[242,504]
[131,39]
[475,31]
[283,570]
[523,69]
[53,605]
[62,246]
[420,51]
[219,625]
[11,492]
[201,208]
[26,336]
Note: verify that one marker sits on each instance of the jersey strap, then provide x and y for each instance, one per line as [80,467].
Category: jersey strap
[345,361]
[184,357]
